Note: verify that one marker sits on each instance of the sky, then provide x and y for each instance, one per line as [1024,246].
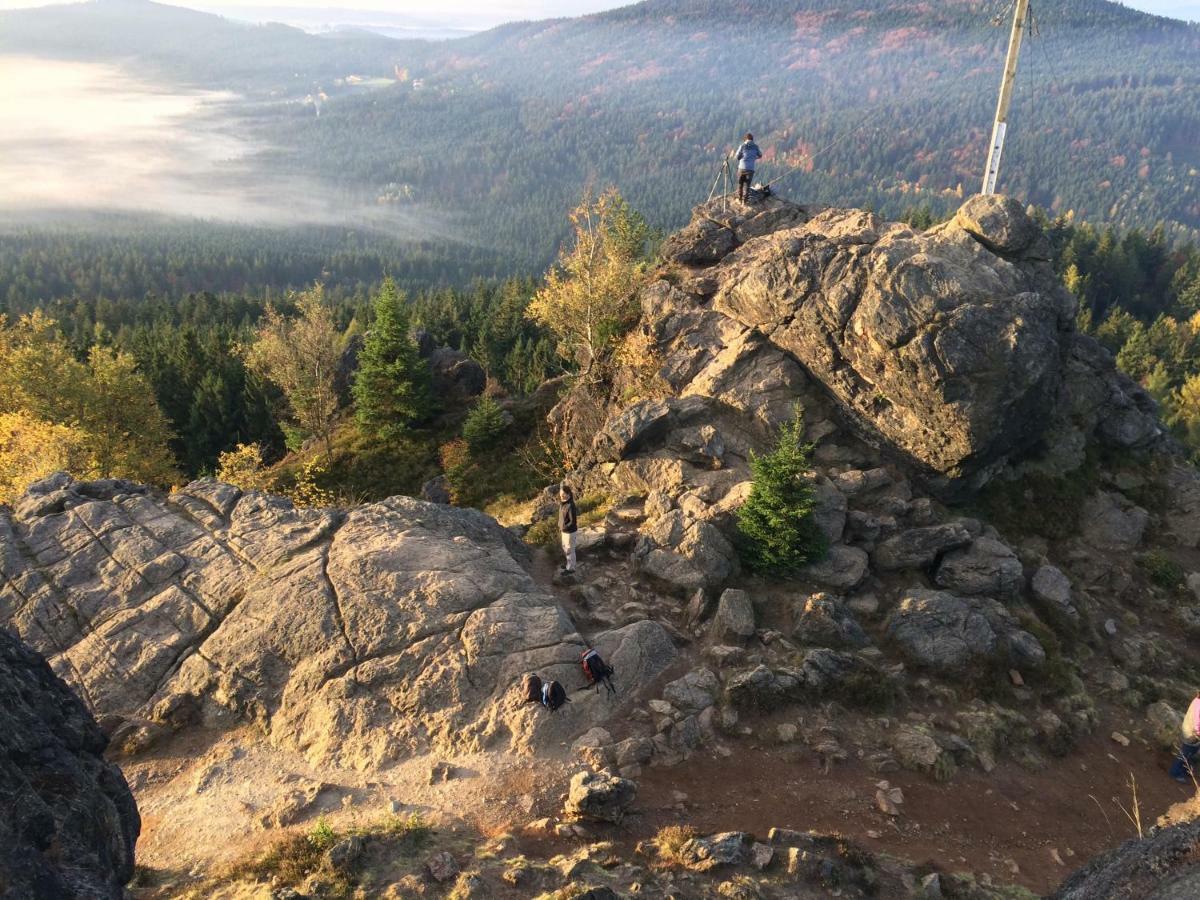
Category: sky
[486,13]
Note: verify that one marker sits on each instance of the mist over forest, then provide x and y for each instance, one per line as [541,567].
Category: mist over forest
[481,144]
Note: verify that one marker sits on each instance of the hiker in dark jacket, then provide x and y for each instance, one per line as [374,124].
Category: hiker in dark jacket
[747,156]
[568,525]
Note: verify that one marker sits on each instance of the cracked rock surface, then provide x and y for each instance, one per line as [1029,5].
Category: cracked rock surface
[356,637]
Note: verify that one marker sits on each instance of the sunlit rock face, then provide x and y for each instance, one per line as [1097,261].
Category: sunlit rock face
[356,637]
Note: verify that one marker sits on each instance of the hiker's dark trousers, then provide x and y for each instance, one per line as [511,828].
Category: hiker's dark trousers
[745,179]
[1185,761]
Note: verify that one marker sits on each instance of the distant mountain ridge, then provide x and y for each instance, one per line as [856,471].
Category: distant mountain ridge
[504,129]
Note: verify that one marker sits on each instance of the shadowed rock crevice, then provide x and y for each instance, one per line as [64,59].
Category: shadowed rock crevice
[70,823]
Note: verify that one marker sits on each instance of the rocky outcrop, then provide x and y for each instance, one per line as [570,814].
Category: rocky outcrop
[70,823]
[319,625]
[945,633]
[952,352]
[1163,866]
[600,797]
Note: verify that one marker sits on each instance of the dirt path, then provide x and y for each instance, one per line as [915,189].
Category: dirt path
[1007,823]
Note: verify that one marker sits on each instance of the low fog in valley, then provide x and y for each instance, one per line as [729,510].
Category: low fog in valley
[93,136]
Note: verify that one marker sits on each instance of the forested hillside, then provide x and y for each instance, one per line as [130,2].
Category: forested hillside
[883,105]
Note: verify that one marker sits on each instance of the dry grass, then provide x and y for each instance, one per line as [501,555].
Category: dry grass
[1134,812]
[670,841]
[1181,813]
[1186,811]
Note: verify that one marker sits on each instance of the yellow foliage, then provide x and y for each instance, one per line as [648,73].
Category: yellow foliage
[306,493]
[105,403]
[301,356]
[31,449]
[639,361]
[588,298]
[243,468]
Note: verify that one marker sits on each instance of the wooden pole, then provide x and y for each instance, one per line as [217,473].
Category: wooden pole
[1000,126]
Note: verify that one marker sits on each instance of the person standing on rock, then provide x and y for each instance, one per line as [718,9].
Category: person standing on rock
[748,154]
[1183,769]
[568,525]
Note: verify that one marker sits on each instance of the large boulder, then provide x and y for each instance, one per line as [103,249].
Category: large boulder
[694,692]
[987,567]
[316,625]
[719,226]
[70,823]
[1051,588]
[734,618]
[600,796]
[917,548]
[455,375]
[842,569]
[1111,523]
[953,350]
[947,344]
[824,621]
[949,634]
[731,848]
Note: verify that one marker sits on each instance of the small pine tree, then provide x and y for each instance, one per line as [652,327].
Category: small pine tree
[776,527]
[391,389]
[484,425]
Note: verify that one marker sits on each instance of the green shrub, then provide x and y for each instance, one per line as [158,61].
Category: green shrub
[1040,504]
[870,691]
[776,528]
[412,830]
[1162,570]
[543,533]
[484,425]
[322,837]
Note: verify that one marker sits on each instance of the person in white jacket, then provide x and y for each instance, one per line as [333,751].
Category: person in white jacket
[1184,769]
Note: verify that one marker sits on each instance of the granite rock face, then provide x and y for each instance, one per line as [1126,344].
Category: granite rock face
[70,823]
[953,350]
[1162,866]
[319,625]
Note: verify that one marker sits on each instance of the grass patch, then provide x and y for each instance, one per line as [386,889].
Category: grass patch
[670,842]
[543,533]
[412,830]
[1038,504]
[291,859]
[298,855]
[592,509]
[870,691]
[364,469]
[1163,571]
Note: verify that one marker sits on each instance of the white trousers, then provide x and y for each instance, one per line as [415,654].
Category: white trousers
[568,545]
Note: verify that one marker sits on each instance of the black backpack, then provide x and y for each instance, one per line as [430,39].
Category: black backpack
[597,671]
[531,687]
[594,668]
[553,695]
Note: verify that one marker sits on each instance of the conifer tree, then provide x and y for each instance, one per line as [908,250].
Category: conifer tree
[484,425]
[391,389]
[777,530]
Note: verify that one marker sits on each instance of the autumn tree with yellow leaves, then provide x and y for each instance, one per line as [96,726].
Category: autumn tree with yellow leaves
[92,417]
[589,297]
